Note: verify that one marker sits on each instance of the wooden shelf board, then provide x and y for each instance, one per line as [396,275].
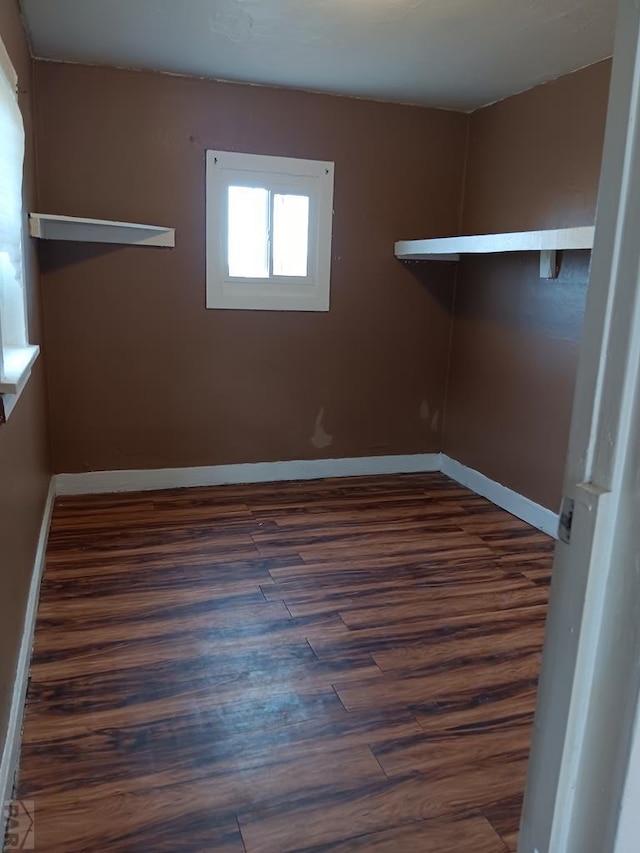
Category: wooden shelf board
[53,227]
[450,248]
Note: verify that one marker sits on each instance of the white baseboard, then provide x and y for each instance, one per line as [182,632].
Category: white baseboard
[11,749]
[105,482]
[534,514]
[102,482]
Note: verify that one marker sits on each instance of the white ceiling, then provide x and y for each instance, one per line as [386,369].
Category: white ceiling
[450,53]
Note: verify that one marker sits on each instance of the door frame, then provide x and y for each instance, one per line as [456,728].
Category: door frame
[585,758]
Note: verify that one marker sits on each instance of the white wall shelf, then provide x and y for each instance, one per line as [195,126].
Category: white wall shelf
[546,242]
[51,227]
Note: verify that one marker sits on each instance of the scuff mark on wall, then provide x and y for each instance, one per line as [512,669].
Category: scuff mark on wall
[321,437]
[433,419]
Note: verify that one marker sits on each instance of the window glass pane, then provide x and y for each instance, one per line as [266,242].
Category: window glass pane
[12,308]
[248,232]
[290,234]
[13,321]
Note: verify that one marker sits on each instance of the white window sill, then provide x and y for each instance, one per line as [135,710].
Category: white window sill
[17,364]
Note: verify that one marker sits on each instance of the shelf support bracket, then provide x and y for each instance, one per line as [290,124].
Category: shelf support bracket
[549,264]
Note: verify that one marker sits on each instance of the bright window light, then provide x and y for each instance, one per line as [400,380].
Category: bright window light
[290,235]
[16,355]
[248,232]
[12,302]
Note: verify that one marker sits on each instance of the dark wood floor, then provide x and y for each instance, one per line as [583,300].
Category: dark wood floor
[337,665]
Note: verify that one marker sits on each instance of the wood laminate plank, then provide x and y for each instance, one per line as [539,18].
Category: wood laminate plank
[380,566]
[218,742]
[71,644]
[499,593]
[192,680]
[71,828]
[505,819]
[111,578]
[385,805]
[537,569]
[442,835]
[174,794]
[521,632]
[128,609]
[153,544]
[426,633]
[498,751]
[421,689]
[530,542]
[363,600]
[408,547]
[388,515]
[367,539]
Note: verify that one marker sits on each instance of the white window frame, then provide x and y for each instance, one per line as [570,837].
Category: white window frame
[313,178]
[16,354]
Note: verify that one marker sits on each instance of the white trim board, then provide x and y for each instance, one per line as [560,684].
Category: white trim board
[13,738]
[534,514]
[103,482]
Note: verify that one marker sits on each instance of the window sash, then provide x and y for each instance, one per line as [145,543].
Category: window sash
[13,331]
[269,237]
[273,184]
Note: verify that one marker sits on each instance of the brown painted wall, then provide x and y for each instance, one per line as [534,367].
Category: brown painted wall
[141,375]
[534,162]
[24,454]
